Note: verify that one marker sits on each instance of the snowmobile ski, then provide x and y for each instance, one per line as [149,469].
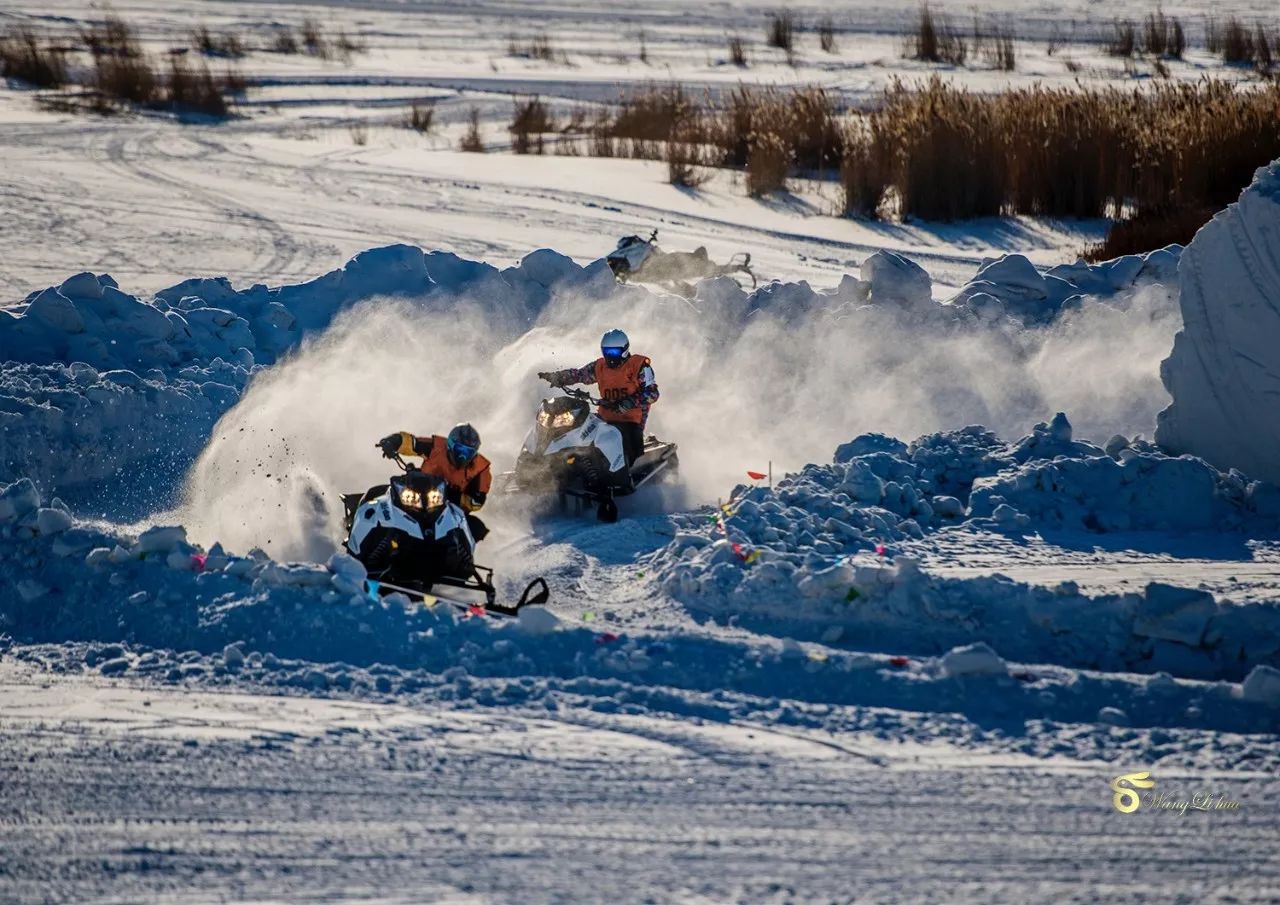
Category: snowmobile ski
[489,606]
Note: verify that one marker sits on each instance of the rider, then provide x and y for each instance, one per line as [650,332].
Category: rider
[627,388]
[457,460]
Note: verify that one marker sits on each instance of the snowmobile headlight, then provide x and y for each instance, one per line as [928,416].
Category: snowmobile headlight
[412,499]
[564,419]
[435,498]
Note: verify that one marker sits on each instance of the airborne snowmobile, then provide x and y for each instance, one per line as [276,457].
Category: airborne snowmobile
[576,455]
[641,261]
[411,537]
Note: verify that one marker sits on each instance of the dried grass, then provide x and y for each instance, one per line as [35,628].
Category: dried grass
[471,140]
[421,117]
[530,121]
[24,57]
[935,41]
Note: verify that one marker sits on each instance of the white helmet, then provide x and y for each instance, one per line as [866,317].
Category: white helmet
[615,347]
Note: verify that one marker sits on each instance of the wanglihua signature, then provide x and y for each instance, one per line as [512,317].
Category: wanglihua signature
[1126,797]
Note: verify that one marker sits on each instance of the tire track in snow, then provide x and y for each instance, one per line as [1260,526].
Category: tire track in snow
[124,158]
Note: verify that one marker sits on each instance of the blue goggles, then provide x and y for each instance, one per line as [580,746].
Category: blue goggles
[462,452]
[613,352]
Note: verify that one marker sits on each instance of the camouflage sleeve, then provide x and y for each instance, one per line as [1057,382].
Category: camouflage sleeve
[648,392]
[584,374]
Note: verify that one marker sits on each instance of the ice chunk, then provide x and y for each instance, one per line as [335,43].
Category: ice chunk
[1262,685]
[52,521]
[865,444]
[18,499]
[976,659]
[894,279]
[537,620]
[161,539]
[347,566]
[1174,614]
[81,286]
[55,311]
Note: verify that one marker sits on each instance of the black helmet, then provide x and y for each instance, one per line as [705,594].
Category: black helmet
[463,443]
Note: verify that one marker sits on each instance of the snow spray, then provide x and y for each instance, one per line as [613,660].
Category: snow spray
[783,384]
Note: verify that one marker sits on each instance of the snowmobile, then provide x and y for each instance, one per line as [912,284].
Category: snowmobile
[641,261]
[411,537]
[578,456]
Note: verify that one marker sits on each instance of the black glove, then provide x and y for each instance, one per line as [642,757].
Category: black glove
[390,446]
[626,403]
[551,377]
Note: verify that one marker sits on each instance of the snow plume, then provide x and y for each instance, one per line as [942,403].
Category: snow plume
[305,430]
[784,375]
[788,387]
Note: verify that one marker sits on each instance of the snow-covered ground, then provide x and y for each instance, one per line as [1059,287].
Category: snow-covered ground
[132,793]
[284,192]
[908,671]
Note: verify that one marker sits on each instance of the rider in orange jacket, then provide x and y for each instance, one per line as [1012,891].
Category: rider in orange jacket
[457,460]
[627,388]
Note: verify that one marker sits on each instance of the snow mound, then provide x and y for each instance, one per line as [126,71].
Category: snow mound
[788,558]
[1224,370]
[110,383]
[973,660]
[89,319]
[1012,288]
[161,607]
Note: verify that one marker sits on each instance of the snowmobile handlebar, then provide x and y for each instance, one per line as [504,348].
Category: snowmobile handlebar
[398,459]
[583,395]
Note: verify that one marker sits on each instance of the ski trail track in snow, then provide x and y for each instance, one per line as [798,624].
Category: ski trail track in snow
[573,806]
[154,201]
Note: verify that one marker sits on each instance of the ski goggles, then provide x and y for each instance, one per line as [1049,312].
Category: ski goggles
[614,353]
[462,452]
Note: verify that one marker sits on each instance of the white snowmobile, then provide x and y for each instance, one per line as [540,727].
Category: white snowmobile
[642,261]
[411,537]
[576,455]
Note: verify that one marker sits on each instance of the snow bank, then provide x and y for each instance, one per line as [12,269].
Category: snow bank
[1012,288]
[89,319]
[99,382]
[189,352]
[1224,371]
[787,558]
[158,606]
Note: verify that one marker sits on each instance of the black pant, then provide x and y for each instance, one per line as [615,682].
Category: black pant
[632,439]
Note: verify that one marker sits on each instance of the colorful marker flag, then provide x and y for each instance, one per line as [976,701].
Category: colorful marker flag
[757,475]
[898,661]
